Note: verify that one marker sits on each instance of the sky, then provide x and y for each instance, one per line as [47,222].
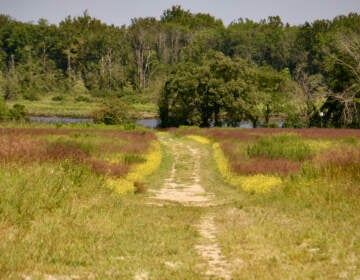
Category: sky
[120,12]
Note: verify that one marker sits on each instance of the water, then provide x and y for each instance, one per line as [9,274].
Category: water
[154,123]
[150,123]
[60,119]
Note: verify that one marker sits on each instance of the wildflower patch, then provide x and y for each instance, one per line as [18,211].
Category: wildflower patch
[139,172]
[258,183]
[199,139]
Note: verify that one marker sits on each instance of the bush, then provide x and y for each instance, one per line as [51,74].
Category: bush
[293,121]
[288,146]
[82,98]
[58,98]
[18,112]
[271,125]
[31,95]
[113,112]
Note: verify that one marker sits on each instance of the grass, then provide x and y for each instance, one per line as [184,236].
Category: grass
[65,105]
[305,226]
[68,107]
[278,146]
[59,218]
[89,231]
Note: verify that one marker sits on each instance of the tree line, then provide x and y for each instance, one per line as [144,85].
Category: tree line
[203,72]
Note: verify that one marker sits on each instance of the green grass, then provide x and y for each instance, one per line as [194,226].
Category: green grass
[288,146]
[58,219]
[72,225]
[308,227]
[67,107]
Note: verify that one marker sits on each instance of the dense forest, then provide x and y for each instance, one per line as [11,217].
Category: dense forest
[199,71]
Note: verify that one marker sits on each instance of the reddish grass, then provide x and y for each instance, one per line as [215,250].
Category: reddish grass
[258,165]
[266,166]
[26,146]
[64,150]
[337,163]
[106,168]
[313,133]
[20,149]
[255,133]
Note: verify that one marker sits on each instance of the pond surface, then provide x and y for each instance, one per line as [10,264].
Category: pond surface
[149,123]
[60,119]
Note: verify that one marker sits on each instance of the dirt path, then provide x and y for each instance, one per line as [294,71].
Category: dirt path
[184,186]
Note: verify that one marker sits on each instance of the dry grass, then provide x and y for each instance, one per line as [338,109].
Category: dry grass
[281,167]
[343,163]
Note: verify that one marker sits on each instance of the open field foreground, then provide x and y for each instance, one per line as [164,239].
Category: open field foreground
[184,203]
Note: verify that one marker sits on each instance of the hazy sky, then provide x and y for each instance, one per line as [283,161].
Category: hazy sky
[120,12]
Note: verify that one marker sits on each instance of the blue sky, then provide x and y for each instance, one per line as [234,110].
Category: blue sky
[122,11]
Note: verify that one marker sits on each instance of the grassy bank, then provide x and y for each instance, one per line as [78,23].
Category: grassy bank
[65,105]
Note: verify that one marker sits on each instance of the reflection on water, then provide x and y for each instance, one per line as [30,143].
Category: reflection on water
[60,119]
[150,123]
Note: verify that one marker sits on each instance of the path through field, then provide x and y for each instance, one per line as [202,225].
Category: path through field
[186,187]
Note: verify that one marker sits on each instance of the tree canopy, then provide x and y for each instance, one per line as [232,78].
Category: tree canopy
[204,73]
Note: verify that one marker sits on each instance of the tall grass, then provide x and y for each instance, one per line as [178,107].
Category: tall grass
[287,146]
[106,152]
[57,211]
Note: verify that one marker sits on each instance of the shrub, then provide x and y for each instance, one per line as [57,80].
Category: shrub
[18,112]
[271,125]
[31,95]
[112,113]
[82,98]
[58,98]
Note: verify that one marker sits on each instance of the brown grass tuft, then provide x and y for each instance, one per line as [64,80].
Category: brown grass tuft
[106,168]
[266,166]
[65,150]
[139,187]
[340,163]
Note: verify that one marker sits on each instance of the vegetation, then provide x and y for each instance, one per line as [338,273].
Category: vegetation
[276,203]
[68,208]
[282,220]
[199,71]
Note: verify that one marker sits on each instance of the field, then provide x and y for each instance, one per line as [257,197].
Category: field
[299,214]
[187,203]
[62,105]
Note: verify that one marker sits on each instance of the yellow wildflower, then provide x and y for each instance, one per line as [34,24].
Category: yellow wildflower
[139,172]
[257,183]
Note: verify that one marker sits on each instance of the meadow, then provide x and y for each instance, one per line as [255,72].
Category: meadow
[62,195]
[76,202]
[297,216]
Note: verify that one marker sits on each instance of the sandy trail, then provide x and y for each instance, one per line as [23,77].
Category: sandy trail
[184,186]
